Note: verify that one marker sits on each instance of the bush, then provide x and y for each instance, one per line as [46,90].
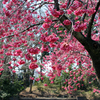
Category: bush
[8,87]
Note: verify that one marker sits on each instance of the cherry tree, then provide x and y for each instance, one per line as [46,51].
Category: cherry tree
[68,31]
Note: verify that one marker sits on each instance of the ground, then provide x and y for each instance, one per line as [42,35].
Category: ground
[42,91]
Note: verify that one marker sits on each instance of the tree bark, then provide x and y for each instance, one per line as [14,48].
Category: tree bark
[31,82]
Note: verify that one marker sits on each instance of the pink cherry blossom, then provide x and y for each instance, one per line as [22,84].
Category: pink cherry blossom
[1,69]
[20,62]
[45,85]
[32,78]
[33,65]
[13,71]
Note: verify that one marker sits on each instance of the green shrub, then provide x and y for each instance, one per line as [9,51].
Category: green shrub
[8,87]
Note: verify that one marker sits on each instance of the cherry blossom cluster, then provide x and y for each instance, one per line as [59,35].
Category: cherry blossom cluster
[26,33]
[78,27]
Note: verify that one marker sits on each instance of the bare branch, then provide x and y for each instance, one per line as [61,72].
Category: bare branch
[92,20]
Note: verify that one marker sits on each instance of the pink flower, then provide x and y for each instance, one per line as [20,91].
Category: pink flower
[43,37]
[10,67]
[13,71]
[78,27]
[44,48]
[69,11]
[91,11]
[32,78]
[18,52]
[8,53]
[52,82]
[75,89]
[33,65]
[67,22]
[14,1]
[37,79]
[33,50]
[0,73]
[14,59]
[63,6]
[47,20]
[20,62]
[52,38]
[92,68]
[51,78]
[42,78]
[1,51]
[1,69]
[1,64]
[55,13]
[53,67]
[4,1]
[66,80]
[65,47]
[28,57]
[59,67]
[46,25]
[65,88]
[89,82]
[16,65]
[94,90]
[45,85]
[7,13]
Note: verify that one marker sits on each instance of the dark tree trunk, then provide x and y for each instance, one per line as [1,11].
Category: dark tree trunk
[95,56]
[93,49]
[31,82]
[96,65]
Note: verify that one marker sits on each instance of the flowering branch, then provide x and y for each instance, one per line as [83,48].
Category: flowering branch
[40,23]
[83,17]
[41,4]
[92,20]
[78,35]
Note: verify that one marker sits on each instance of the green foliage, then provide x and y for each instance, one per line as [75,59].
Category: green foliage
[4,95]
[9,87]
[46,80]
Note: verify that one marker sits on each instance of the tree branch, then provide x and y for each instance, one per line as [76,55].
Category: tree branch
[56,5]
[83,17]
[41,4]
[40,23]
[92,20]
[68,3]
[78,35]
[68,6]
